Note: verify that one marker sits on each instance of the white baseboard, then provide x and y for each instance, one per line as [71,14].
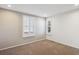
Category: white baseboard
[21,44]
[64,43]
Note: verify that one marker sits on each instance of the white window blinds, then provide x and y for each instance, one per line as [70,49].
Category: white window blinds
[28,25]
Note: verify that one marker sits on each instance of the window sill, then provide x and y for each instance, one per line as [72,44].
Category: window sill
[28,34]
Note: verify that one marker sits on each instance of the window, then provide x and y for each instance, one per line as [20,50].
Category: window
[28,26]
[49,27]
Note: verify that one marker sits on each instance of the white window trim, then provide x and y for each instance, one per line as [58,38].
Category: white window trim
[28,33]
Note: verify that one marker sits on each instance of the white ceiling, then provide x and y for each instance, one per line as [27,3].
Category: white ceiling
[43,10]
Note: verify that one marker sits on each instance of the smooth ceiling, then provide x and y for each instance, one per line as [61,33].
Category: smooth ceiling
[43,10]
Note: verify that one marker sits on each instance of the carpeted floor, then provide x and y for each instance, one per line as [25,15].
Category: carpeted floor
[43,47]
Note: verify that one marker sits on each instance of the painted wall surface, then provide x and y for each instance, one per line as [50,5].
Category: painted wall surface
[11,29]
[65,28]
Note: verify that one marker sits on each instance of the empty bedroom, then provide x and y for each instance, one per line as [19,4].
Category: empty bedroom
[39,29]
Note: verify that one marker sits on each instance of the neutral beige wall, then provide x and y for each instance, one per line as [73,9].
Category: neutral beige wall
[11,30]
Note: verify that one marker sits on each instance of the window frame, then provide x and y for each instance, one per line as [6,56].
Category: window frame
[28,26]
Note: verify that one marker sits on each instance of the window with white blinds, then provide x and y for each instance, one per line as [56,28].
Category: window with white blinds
[28,26]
